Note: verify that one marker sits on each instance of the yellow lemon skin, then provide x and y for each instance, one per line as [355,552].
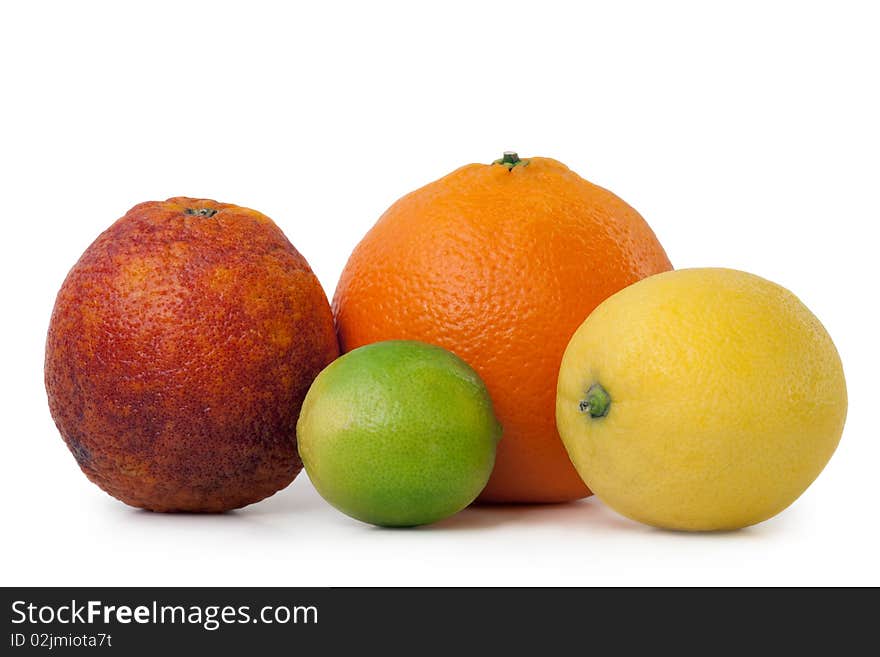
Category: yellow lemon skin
[717,398]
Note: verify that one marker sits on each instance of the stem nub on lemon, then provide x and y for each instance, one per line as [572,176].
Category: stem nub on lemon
[398,433]
[701,399]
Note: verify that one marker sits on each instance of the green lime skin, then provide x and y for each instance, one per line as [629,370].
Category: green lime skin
[398,434]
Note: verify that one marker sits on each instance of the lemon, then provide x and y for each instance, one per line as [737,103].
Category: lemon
[700,399]
[398,433]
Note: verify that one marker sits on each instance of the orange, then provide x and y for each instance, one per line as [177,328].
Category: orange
[500,264]
[180,349]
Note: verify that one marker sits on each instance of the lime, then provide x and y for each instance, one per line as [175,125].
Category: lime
[398,433]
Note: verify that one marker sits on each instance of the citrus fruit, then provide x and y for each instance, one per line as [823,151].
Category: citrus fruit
[500,263]
[179,351]
[701,399]
[398,433]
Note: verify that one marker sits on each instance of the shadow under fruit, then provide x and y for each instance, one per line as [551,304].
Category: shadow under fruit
[180,348]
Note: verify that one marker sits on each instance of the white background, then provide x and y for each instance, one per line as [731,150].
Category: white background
[747,136]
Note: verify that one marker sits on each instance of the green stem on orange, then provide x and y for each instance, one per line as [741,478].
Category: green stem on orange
[597,401]
[201,212]
[510,159]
